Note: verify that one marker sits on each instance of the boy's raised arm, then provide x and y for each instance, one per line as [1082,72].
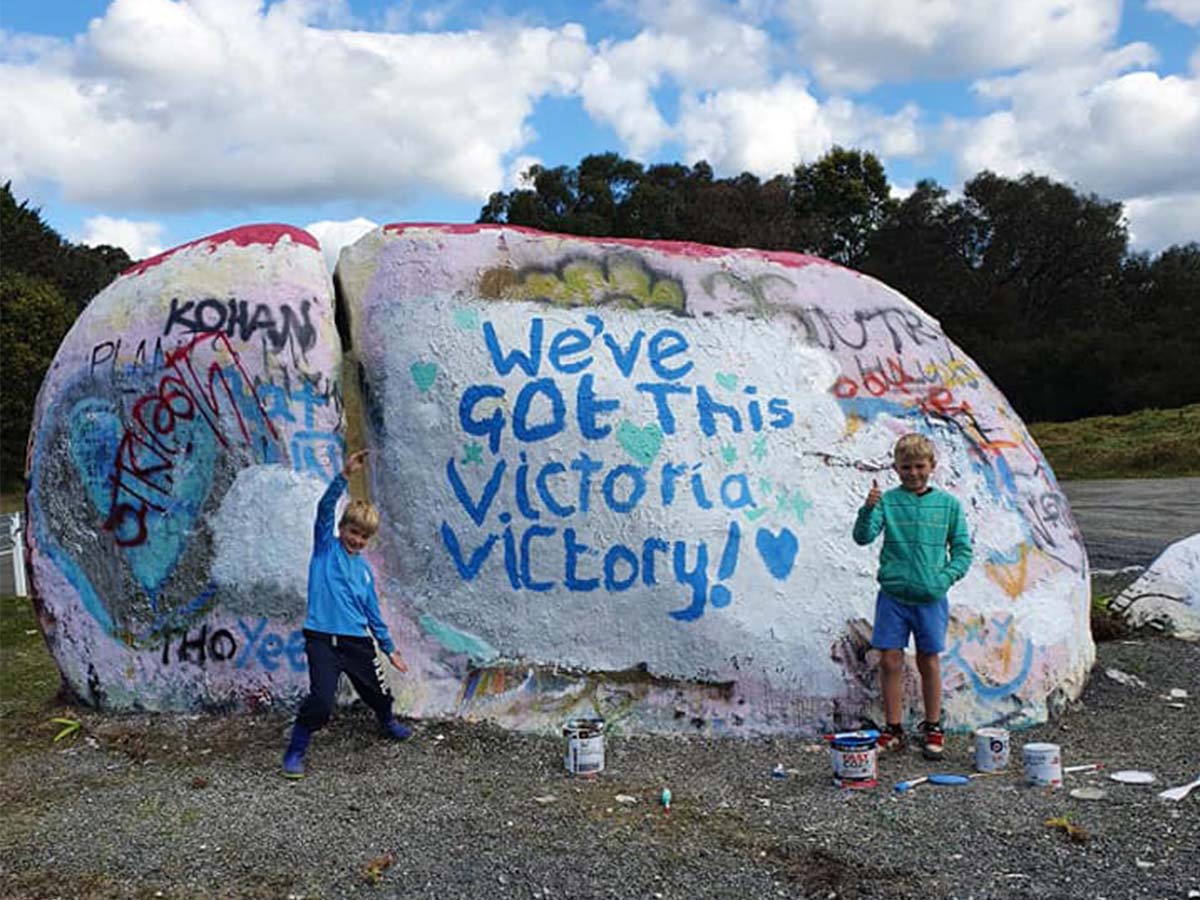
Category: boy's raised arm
[326,510]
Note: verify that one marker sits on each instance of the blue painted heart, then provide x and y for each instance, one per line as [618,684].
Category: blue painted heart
[727,380]
[778,552]
[96,431]
[643,443]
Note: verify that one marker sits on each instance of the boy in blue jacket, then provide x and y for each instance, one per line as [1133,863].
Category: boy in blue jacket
[926,548]
[342,609]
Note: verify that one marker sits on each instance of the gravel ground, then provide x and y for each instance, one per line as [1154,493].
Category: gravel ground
[194,807]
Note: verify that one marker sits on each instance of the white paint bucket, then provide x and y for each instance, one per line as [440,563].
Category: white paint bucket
[1043,765]
[853,756]
[991,749]
[585,745]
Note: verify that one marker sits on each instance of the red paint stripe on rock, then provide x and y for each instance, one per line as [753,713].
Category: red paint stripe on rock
[677,248]
[244,236]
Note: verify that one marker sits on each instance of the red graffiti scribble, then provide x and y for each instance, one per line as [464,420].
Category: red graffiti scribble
[676,248]
[245,236]
[147,450]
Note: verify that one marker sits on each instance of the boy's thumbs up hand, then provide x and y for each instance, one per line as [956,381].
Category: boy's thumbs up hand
[873,495]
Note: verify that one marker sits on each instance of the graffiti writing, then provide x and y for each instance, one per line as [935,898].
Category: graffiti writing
[107,353]
[259,644]
[153,442]
[622,280]
[236,317]
[536,494]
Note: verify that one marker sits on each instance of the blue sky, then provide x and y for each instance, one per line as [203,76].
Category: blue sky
[148,123]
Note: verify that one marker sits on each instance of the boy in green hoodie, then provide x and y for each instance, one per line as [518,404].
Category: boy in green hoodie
[926,548]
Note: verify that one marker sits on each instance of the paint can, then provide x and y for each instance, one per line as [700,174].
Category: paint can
[991,749]
[585,745]
[853,756]
[1043,765]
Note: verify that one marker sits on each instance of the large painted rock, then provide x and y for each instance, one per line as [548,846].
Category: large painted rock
[620,476]
[616,477]
[183,434]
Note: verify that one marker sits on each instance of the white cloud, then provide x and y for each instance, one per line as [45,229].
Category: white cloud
[165,105]
[334,235]
[1157,222]
[697,46]
[770,130]
[138,239]
[1186,11]
[854,44]
[1118,133]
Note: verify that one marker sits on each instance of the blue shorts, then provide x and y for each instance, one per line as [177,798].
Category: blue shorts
[894,621]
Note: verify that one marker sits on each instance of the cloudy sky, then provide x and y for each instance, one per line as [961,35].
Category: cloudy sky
[147,123]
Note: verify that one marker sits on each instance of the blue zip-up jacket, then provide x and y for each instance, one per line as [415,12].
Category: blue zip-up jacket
[341,587]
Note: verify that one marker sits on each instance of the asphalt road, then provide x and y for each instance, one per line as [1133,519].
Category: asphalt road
[1130,521]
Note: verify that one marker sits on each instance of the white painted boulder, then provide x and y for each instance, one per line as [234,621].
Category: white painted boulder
[1167,594]
[620,477]
[181,438]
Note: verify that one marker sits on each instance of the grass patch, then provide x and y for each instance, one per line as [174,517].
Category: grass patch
[29,680]
[1151,443]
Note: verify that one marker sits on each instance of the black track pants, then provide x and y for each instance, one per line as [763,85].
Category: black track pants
[328,656]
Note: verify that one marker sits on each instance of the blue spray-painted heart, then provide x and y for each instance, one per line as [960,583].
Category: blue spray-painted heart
[778,552]
[95,437]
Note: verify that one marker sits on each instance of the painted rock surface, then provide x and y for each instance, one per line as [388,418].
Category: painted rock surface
[616,478]
[187,426]
[621,476]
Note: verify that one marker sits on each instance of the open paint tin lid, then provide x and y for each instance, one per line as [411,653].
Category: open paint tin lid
[1133,776]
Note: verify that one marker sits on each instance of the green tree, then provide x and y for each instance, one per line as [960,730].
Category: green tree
[838,202]
[1045,250]
[35,317]
[29,245]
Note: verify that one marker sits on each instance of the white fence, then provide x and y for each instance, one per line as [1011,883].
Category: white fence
[12,555]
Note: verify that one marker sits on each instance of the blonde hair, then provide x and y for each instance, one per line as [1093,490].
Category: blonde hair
[361,514]
[913,446]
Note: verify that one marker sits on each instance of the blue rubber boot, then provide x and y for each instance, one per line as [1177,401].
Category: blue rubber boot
[293,756]
[396,730]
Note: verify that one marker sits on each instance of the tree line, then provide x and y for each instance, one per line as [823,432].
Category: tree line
[1032,278]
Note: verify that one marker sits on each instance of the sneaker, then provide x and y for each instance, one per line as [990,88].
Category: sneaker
[396,730]
[933,740]
[891,739]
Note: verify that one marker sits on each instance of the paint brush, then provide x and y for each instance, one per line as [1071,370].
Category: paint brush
[1090,767]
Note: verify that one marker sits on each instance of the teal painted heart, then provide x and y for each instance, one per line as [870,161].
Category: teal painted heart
[466,319]
[727,380]
[642,444]
[179,490]
[423,374]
